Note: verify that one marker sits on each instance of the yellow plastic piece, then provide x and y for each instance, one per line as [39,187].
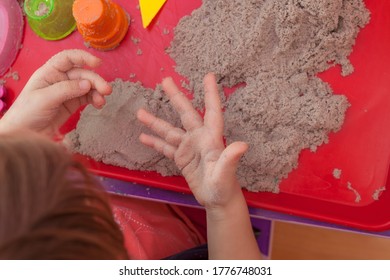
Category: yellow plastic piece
[149,9]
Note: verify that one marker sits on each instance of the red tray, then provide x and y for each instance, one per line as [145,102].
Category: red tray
[361,149]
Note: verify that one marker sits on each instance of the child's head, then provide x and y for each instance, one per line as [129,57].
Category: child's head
[50,208]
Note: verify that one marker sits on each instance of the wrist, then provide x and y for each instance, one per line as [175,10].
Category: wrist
[228,210]
[4,127]
[9,122]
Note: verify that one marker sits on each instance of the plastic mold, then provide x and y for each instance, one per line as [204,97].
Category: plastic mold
[11,33]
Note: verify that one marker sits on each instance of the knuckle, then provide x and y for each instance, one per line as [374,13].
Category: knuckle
[171,136]
[168,151]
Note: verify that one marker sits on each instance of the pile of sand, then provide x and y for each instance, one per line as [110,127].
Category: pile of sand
[276,48]
[111,134]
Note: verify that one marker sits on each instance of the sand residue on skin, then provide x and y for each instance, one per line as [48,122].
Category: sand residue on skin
[276,48]
[111,134]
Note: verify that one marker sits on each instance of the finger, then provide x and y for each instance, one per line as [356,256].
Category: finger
[213,117]
[230,157]
[58,93]
[158,144]
[97,82]
[190,118]
[97,100]
[92,97]
[66,60]
[48,76]
[165,130]
[54,70]
[71,106]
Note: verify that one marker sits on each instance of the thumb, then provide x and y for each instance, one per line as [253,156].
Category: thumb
[230,157]
[62,91]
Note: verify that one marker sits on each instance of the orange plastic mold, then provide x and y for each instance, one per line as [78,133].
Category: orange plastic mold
[102,23]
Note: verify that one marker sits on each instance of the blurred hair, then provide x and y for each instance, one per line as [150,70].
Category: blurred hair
[50,208]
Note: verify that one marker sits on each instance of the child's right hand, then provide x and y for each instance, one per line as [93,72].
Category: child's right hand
[55,91]
[198,151]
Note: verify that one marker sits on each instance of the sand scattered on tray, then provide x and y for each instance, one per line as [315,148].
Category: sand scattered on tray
[165,31]
[337,173]
[377,193]
[11,74]
[274,48]
[135,40]
[358,197]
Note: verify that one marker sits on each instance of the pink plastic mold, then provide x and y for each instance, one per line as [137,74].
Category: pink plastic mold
[11,32]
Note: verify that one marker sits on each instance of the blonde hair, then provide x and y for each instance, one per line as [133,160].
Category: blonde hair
[50,208]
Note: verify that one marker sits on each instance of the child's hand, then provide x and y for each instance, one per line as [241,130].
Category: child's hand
[198,151]
[55,91]
[209,168]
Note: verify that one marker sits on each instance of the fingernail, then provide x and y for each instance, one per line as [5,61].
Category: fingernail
[101,104]
[84,85]
[167,78]
[109,88]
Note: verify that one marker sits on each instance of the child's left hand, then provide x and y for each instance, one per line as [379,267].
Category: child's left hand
[198,150]
[55,91]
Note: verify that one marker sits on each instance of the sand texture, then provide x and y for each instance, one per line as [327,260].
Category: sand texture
[274,50]
[111,134]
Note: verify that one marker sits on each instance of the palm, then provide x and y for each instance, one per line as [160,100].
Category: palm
[200,143]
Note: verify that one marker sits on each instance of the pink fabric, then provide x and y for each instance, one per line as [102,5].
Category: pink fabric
[154,230]
[197,217]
